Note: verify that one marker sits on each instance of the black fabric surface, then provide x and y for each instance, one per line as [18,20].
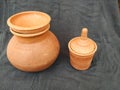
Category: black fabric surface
[102,19]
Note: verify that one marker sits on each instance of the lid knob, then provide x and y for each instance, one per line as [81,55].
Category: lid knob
[84,33]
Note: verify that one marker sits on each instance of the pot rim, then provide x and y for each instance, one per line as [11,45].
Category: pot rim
[10,24]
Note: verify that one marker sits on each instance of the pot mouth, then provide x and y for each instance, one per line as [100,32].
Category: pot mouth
[29,20]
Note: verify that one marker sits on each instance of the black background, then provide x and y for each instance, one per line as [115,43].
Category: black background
[102,19]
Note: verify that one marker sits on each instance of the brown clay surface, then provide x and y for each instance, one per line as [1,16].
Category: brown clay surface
[82,50]
[29,21]
[33,47]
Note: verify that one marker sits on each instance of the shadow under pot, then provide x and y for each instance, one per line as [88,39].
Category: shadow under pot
[33,47]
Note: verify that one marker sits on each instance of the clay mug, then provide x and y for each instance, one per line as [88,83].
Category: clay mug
[33,47]
[82,50]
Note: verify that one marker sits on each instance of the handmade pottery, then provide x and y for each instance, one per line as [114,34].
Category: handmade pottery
[33,47]
[82,50]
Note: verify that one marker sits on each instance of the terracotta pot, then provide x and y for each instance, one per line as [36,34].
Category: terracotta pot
[33,47]
[82,50]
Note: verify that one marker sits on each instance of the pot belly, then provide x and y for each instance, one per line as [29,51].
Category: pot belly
[36,56]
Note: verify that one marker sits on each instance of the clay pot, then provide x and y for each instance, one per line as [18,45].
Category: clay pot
[33,47]
[82,50]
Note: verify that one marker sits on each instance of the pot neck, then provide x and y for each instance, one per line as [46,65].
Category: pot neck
[34,39]
[30,33]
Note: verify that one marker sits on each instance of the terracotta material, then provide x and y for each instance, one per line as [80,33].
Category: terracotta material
[82,50]
[29,22]
[33,47]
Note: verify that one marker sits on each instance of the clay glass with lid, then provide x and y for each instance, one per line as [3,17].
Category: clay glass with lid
[33,46]
[82,50]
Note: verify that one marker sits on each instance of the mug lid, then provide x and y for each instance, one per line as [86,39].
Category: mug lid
[82,45]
